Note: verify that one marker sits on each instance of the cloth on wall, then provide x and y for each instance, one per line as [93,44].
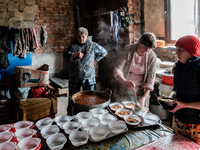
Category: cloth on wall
[4,47]
[114,26]
[34,38]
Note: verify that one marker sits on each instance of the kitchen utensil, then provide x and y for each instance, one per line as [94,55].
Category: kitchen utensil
[137,107]
[56,141]
[78,138]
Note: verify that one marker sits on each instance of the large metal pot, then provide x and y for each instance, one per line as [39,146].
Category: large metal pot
[77,107]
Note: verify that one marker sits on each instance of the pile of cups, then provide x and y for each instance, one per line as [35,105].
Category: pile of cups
[19,135]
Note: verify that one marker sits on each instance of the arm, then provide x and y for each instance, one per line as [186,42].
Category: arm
[127,83]
[70,55]
[99,51]
[180,105]
[144,97]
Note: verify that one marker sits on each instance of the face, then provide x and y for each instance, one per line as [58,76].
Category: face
[183,55]
[82,38]
[142,49]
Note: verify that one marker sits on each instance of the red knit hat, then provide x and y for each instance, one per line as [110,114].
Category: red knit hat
[189,43]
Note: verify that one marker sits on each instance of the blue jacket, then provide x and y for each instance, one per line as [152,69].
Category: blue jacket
[187,86]
[81,69]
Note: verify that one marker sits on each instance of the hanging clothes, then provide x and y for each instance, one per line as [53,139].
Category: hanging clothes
[114,26]
[4,47]
[34,38]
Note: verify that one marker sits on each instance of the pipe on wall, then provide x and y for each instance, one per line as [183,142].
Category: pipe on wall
[77,17]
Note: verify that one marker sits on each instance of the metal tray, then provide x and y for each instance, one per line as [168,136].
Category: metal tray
[142,124]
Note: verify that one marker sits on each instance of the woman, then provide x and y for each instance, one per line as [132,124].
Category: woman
[136,69]
[187,88]
[82,55]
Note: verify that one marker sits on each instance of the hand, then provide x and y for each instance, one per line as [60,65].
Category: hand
[129,84]
[78,55]
[179,105]
[172,94]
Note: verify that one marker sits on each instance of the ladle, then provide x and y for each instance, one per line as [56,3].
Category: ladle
[137,107]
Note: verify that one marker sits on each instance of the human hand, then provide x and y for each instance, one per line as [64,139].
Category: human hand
[179,105]
[172,94]
[129,84]
[78,55]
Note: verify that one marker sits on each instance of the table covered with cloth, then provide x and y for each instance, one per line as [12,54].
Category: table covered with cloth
[153,138]
[36,108]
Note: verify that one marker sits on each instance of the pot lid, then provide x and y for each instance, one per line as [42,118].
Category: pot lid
[165,74]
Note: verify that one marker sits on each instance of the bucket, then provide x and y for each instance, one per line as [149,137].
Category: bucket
[162,113]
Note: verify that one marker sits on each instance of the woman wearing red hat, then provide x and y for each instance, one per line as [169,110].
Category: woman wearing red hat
[187,88]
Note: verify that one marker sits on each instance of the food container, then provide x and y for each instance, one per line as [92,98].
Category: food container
[61,119]
[90,123]
[22,125]
[56,141]
[98,111]
[83,115]
[44,122]
[8,146]
[117,127]
[167,78]
[49,130]
[6,136]
[78,138]
[86,100]
[160,43]
[115,106]
[98,133]
[129,104]
[141,111]
[150,118]
[166,103]
[71,126]
[121,113]
[5,127]
[28,143]
[132,120]
[106,118]
[23,133]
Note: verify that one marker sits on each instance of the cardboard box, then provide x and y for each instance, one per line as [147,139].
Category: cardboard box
[32,76]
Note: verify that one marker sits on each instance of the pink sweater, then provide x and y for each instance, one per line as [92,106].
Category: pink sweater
[137,71]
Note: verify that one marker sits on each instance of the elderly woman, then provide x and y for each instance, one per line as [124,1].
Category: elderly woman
[82,55]
[136,70]
[186,91]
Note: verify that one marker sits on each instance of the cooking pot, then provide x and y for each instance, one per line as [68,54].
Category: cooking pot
[167,78]
[88,95]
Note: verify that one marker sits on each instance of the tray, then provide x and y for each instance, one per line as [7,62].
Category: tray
[142,124]
[68,145]
[111,134]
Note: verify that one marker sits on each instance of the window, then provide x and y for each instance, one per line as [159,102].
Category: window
[181,18]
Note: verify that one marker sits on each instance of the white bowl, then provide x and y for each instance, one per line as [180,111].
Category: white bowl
[23,133]
[5,127]
[43,122]
[6,136]
[22,124]
[129,104]
[78,138]
[71,126]
[150,118]
[89,123]
[98,111]
[141,111]
[83,115]
[49,130]
[106,118]
[60,120]
[56,141]
[117,126]
[8,146]
[132,120]
[98,133]
[123,112]
[115,106]
[28,143]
